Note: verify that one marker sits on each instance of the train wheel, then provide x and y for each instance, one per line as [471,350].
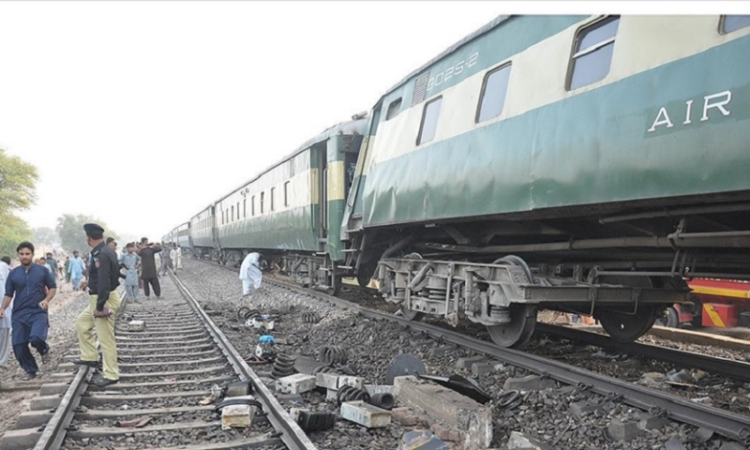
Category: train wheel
[410,314]
[518,332]
[670,319]
[363,278]
[626,327]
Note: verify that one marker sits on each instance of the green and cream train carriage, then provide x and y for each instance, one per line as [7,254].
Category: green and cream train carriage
[576,163]
[291,212]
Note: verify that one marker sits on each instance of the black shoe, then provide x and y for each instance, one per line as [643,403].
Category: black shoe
[81,362]
[103,382]
[30,376]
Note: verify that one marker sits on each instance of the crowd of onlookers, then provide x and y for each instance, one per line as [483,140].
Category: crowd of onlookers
[27,288]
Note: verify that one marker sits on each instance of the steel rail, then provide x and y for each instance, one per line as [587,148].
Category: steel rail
[291,434]
[56,429]
[54,432]
[738,370]
[732,426]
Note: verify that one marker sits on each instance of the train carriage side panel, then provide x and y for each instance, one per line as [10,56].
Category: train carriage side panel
[201,229]
[182,235]
[677,92]
[275,211]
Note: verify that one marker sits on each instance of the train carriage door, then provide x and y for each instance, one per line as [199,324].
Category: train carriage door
[320,151]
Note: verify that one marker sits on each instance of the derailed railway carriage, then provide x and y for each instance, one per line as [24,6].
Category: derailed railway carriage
[291,212]
[583,164]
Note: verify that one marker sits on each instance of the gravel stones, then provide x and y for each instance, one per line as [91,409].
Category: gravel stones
[543,414]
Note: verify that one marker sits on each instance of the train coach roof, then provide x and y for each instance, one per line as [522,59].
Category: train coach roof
[355,126]
[499,20]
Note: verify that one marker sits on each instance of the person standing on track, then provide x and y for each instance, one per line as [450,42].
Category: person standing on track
[148,269]
[30,319]
[76,269]
[166,258]
[67,269]
[104,274]
[132,262]
[5,322]
[52,263]
[178,257]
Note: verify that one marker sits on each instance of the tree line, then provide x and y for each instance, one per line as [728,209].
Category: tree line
[18,180]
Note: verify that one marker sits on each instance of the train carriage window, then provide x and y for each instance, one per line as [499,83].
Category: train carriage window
[273,194]
[592,57]
[393,109]
[244,208]
[430,116]
[286,194]
[262,201]
[733,23]
[232,213]
[238,210]
[494,89]
[252,206]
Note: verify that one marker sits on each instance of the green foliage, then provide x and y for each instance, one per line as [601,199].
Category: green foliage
[70,229]
[44,235]
[17,182]
[13,231]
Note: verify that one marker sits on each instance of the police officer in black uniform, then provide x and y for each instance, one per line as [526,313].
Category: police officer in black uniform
[103,304]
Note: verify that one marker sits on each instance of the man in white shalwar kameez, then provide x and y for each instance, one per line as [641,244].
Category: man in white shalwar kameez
[250,273]
[178,257]
[5,322]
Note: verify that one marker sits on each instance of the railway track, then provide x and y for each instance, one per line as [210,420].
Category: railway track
[737,370]
[165,372]
[733,426]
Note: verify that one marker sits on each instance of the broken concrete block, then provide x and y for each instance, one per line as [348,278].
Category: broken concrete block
[457,412]
[294,413]
[355,382]
[623,431]
[327,380]
[136,325]
[528,383]
[519,441]
[295,384]
[732,446]
[407,416]
[332,395]
[465,363]
[365,414]
[237,416]
[579,410]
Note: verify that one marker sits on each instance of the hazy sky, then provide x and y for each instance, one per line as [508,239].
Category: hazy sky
[143,113]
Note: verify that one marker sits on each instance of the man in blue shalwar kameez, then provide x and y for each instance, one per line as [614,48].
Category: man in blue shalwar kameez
[76,269]
[131,261]
[30,318]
